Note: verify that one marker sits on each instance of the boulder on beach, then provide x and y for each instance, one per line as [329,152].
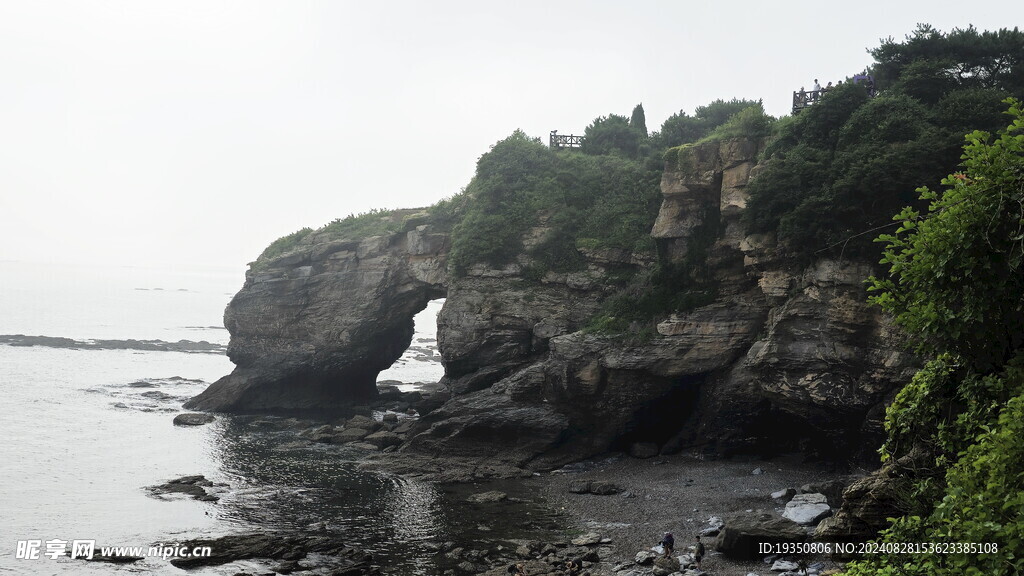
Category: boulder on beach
[383,439]
[603,488]
[663,566]
[742,534]
[644,557]
[349,435]
[588,539]
[807,509]
[363,422]
[785,494]
[579,486]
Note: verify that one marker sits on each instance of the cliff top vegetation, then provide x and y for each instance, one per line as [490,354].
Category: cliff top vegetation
[837,171]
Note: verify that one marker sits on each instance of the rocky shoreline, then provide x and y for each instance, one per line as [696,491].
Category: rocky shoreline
[614,508]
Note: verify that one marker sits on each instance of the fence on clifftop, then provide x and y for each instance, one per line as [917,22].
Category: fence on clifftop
[557,141]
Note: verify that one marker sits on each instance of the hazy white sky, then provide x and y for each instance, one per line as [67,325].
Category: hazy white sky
[177,132]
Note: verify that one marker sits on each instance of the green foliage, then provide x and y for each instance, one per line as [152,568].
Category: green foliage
[956,276]
[648,297]
[681,128]
[283,245]
[603,201]
[638,120]
[929,62]
[611,134]
[751,123]
[840,168]
[374,222]
[956,285]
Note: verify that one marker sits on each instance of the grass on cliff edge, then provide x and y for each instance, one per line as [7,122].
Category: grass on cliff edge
[352,227]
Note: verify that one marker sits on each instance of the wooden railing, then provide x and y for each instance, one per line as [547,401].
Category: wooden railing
[803,99]
[557,141]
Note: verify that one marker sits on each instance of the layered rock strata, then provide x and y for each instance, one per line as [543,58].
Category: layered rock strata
[312,328]
[787,356]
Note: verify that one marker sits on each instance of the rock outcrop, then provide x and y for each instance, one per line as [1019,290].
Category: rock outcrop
[786,356]
[312,328]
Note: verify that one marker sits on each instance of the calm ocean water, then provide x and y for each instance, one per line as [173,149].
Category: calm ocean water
[83,432]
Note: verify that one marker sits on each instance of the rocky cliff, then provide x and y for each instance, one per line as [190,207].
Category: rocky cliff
[787,356]
[311,329]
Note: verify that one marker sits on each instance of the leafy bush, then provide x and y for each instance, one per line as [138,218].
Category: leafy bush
[681,128]
[609,200]
[841,167]
[612,134]
[283,245]
[751,123]
[374,222]
[956,285]
[647,298]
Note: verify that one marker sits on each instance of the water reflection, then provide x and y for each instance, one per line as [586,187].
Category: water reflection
[281,482]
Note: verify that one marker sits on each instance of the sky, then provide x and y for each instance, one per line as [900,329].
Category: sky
[194,133]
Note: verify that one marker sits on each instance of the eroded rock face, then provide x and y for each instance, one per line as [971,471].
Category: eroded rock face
[313,328]
[788,356]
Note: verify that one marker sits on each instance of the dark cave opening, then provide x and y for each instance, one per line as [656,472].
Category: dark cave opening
[661,419]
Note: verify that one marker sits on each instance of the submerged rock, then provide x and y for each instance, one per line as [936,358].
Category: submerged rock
[493,496]
[193,419]
[194,486]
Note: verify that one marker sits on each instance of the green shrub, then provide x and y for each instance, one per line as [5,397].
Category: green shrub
[751,123]
[283,245]
[609,200]
[956,285]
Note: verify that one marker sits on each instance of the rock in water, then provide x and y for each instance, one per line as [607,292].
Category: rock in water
[383,439]
[492,496]
[807,509]
[193,419]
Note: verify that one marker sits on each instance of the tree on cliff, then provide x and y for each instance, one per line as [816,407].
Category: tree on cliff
[929,63]
[611,134]
[956,285]
[844,166]
[638,121]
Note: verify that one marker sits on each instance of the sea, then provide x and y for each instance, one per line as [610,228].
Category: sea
[86,427]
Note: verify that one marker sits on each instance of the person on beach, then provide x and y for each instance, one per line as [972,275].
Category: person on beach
[698,552]
[668,543]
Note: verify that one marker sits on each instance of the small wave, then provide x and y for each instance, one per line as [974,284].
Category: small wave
[189,346]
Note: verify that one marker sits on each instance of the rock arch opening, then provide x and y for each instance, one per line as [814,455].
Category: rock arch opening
[420,363]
